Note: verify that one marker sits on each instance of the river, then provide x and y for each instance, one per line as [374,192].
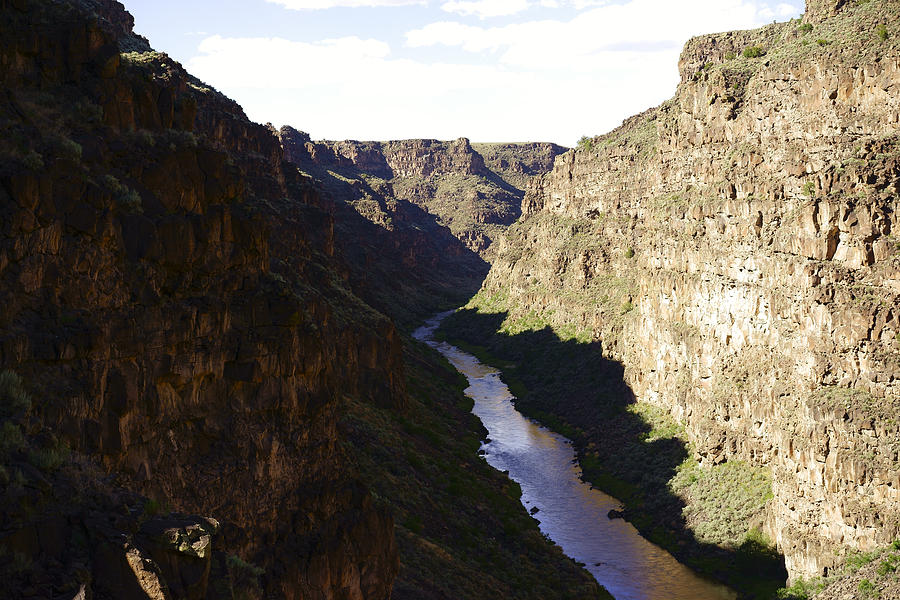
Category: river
[569,511]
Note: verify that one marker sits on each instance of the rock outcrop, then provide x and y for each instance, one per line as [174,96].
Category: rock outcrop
[449,180]
[736,248]
[162,331]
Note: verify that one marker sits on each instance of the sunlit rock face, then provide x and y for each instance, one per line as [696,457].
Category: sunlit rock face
[737,248]
[475,190]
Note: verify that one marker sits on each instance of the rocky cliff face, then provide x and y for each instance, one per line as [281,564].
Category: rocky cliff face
[162,331]
[450,180]
[736,248]
[517,164]
[400,258]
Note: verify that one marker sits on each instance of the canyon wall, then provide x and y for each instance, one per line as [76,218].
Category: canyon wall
[475,198]
[164,332]
[737,250]
[198,396]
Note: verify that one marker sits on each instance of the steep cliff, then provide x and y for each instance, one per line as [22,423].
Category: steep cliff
[517,164]
[402,260]
[736,250]
[153,319]
[183,308]
[475,196]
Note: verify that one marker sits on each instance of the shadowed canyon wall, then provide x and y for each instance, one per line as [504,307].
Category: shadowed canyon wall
[190,325]
[147,305]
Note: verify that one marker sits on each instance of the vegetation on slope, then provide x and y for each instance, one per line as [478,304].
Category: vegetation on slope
[461,528]
[708,517]
[864,576]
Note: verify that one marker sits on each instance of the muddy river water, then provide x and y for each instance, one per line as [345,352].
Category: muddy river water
[569,511]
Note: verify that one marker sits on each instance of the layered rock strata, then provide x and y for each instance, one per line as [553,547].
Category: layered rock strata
[736,248]
[159,328]
[475,199]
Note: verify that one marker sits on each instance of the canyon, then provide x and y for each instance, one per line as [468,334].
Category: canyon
[209,388]
[190,357]
[735,250]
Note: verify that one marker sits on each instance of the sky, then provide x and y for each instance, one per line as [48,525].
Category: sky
[488,70]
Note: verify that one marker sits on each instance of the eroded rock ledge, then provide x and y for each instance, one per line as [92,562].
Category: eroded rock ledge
[160,330]
[737,249]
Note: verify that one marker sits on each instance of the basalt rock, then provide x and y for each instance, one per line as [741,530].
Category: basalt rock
[165,336]
[452,181]
[819,10]
[736,248]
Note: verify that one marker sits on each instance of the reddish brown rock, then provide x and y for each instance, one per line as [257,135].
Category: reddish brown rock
[145,309]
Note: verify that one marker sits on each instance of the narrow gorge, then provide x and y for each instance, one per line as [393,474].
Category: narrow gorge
[210,387]
[732,256]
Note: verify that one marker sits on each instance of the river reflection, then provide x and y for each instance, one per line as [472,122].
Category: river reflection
[569,511]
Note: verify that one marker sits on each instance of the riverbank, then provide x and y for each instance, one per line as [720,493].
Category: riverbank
[571,512]
[460,528]
[634,452]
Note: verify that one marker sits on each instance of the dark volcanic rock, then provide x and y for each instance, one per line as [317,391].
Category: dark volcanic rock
[146,309]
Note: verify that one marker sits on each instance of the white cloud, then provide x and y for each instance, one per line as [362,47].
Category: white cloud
[485,8]
[780,11]
[324,4]
[353,88]
[541,80]
[638,25]
[276,63]
[351,63]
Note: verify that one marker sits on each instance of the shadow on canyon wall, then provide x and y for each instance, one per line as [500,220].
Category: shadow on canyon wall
[399,257]
[572,388]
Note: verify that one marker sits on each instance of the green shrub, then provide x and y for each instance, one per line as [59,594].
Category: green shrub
[629,253]
[70,148]
[888,565]
[244,578]
[866,588]
[11,439]
[15,563]
[49,459]
[882,32]
[154,507]
[730,55]
[33,161]
[131,201]
[822,42]
[14,400]
[235,562]
[856,560]
[725,500]
[805,28]
[414,523]
[753,52]
[585,143]
[127,198]
[88,111]
[801,590]
[809,189]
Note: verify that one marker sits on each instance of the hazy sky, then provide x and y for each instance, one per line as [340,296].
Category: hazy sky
[489,70]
